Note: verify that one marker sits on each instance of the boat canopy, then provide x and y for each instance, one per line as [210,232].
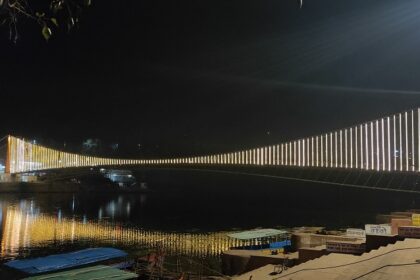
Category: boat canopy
[65,261]
[257,234]
[102,272]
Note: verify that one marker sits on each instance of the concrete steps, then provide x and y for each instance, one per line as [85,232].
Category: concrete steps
[382,263]
[364,262]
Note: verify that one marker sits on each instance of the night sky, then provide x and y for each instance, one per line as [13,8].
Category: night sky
[194,77]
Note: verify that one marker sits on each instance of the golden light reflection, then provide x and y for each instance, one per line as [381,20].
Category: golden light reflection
[22,231]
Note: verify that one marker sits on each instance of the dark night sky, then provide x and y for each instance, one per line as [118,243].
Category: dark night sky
[188,76]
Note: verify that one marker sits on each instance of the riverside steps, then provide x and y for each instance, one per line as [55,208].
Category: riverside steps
[391,250]
[395,261]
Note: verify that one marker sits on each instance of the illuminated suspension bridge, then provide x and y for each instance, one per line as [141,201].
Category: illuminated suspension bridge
[391,143]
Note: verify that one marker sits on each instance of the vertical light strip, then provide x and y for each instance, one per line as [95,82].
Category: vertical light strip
[418,139]
[383,144]
[356,139]
[351,147]
[316,152]
[326,150]
[371,147]
[367,146]
[361,147]
[345,149]
[341,149]
[303,152]
[322,150]
[400,153]
[406,153]
[264,158]
[291,153]
[336,150]
[412,142]
[331,149]
[281,156]
[389,143]
[312,152]
[299,153]
[377,146]
[308,153]
[394,152]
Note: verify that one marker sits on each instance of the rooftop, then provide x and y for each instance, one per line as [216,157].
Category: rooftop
[258,233]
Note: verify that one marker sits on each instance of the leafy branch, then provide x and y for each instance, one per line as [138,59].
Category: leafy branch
[50,15]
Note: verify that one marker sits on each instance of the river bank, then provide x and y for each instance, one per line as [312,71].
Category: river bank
[62,187]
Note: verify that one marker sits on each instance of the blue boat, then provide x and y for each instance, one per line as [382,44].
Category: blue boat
[65,261]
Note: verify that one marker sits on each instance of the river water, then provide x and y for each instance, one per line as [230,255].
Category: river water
[188,213]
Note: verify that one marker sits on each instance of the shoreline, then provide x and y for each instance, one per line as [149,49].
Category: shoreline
[61,187]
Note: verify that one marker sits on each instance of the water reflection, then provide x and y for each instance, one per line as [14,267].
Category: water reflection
[190,214]
[115,208]
[24,226]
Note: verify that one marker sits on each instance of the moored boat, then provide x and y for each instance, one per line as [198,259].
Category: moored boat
[65,261]
[102,272]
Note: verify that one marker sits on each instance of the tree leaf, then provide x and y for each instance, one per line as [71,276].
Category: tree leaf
[46,32]
[54,20]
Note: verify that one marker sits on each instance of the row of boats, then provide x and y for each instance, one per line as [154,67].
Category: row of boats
[110,263]
[92,263]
